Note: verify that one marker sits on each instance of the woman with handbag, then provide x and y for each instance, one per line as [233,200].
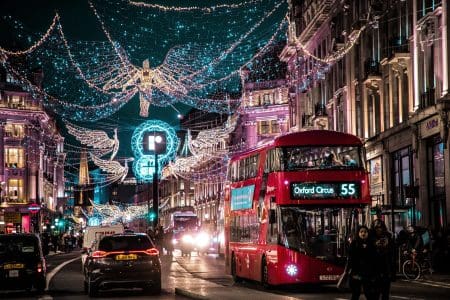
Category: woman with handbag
[361,265]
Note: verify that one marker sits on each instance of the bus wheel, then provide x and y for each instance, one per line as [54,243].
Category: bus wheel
[233,269]
[264,274]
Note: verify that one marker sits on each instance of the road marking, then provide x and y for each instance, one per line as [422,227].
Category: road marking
[46,297]
[57,269]
[408,298]
[444,285]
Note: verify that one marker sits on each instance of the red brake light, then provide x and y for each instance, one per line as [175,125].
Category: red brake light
[98,254]
[39,268]
[152,251]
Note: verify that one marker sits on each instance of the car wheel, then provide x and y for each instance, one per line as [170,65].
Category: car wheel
[40,285]
[265,274]
[233,269]
[154,289]
[92,289]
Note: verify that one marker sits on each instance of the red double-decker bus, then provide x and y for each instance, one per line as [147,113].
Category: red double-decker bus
[292,205]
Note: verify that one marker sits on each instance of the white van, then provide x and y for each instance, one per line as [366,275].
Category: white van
[94,233]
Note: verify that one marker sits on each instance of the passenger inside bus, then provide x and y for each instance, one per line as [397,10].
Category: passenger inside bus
[349,161]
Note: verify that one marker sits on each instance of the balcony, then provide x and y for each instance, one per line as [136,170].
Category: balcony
[371,68]
[427,99]
[320,13]
[398,44]
[320,110]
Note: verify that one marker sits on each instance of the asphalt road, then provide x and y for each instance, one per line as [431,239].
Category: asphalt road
[192,273]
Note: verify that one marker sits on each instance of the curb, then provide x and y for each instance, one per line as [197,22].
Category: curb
[190,294]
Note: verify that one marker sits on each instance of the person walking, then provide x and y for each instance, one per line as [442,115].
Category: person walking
[383,244]
[361,265]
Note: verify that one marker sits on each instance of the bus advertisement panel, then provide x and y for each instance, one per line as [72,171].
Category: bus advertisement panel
[292,205]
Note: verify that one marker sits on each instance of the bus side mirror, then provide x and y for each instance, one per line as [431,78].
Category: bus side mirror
[272,216]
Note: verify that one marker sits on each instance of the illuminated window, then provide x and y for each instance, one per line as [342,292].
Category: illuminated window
[15,101]
[264,127]
[14,158]
[15,190]
[14,130]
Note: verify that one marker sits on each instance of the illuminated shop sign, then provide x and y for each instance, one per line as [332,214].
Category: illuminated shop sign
[242,198]
[320,190]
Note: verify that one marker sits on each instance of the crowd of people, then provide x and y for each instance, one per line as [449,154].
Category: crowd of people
[370,262]
[63,242]
[372,256]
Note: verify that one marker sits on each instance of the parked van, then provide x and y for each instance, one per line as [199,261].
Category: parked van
[95,233]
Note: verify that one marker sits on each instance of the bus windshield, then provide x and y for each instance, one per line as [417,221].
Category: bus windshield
[185,223]
[318,232]
[321,157]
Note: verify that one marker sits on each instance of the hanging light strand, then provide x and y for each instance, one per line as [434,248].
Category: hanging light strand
[36,44]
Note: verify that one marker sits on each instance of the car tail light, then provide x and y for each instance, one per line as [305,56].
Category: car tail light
[39,268]
[98,254]
[152,251]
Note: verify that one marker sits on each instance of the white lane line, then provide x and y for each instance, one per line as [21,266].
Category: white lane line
[57,269]
[406,298]
[46,297]
[431,283]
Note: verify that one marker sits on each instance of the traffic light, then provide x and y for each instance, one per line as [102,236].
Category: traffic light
[151,216]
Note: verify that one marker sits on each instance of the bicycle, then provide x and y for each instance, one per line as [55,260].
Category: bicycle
[415,267]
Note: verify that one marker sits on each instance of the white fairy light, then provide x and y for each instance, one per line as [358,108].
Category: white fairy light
[97,139]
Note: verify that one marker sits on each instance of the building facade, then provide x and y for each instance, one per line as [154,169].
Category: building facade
[379,70]
[31,159]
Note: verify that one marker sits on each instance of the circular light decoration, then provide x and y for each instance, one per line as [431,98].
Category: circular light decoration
[144,163]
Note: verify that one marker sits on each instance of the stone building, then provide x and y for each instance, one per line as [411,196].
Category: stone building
[31,159]
[379,70]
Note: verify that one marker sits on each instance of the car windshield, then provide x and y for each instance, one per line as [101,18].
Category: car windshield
[320,232]
[18,246]
[125,243]
[322,157]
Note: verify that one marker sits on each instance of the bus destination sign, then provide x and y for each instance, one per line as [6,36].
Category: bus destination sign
[322,190]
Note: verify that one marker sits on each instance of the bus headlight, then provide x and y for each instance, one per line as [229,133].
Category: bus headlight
[292,270]
[202,239]
[187,238]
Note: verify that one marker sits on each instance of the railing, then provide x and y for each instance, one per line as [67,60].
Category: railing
[371,68]
[320,110]
[427,99]
[398,44]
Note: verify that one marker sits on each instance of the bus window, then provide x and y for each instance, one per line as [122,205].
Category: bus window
[320,232]
[272,227]
[323,157]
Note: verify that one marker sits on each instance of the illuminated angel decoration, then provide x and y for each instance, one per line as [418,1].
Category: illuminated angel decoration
[207,149]
[114,168]
[97,139]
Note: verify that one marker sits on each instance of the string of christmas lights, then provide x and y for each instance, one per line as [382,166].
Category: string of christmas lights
[36,44]
[191,8]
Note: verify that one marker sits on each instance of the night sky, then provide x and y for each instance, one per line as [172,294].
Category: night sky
[142,33]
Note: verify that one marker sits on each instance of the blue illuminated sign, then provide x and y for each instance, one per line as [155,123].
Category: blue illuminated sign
[320,190]
[143,143]
[242,198]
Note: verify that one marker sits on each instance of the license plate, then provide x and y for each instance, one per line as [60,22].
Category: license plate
[13,266]
[126,257]
[329,277]
[13,273]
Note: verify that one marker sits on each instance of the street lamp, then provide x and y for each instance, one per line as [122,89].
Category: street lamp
[156,144]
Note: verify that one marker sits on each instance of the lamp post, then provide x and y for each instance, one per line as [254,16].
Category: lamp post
[157,145]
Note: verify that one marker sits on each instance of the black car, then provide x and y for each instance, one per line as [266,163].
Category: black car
[22,263]
[123,261]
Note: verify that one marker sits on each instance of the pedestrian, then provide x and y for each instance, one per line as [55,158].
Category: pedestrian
[383,244]
[361,265]
[168,241]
